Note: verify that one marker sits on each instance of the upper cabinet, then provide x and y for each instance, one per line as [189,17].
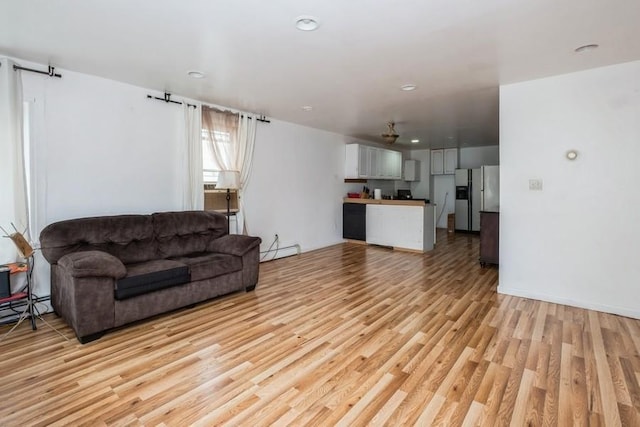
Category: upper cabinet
[450,161]
[437,162]
[391,164]
[364,162]
[444,161]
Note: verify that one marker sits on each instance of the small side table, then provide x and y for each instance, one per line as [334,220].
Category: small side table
[17,268]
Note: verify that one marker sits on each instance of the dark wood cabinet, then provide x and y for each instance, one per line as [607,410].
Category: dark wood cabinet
[489,238]
[354,221]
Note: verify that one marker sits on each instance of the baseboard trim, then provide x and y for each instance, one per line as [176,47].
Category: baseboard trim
[621,311]
[355,242]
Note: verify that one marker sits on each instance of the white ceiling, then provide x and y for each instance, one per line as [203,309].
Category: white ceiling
[349,70]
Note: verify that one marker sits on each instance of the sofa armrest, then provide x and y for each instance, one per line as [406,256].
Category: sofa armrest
[234,244]
[92,264]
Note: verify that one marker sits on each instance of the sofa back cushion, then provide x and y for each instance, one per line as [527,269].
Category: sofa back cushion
[127,237]
[184,233]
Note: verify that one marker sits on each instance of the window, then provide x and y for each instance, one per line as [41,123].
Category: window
[219,129]
[210,166]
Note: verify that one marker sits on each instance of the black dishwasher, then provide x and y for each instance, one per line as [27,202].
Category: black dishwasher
[354,221]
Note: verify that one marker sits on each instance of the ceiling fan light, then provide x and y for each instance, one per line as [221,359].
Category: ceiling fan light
[389,139]
[391,136]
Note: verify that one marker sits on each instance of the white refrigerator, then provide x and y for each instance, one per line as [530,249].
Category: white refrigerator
[476,190]
[490,188]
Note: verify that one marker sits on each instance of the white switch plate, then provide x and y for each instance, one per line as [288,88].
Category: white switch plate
[535,184]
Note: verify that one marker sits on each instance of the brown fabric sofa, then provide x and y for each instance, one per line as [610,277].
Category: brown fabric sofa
[112,270]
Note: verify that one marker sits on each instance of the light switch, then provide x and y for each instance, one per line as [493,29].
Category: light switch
[535,184]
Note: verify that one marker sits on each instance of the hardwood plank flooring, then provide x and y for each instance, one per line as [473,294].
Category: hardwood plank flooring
[349,335]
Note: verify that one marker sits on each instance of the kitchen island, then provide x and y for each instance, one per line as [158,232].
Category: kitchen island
[400,224]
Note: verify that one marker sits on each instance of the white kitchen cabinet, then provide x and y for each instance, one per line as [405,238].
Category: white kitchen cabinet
[444,161]
[412,170]
[450,161]
[386,159]
[385,164]
[437,162]
[364,162]
[352,161]
[396,165]
[357,161]
[364,165]
[375,162]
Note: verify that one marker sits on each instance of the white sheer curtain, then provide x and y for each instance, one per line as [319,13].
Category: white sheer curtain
[221,131]
[246,145]
[193,196]
[230,138]
[13,187]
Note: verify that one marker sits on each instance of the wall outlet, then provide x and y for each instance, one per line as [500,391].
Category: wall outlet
[535,184]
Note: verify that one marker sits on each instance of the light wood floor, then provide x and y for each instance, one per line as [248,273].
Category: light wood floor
[348,335]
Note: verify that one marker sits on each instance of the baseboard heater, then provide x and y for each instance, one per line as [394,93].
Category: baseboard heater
[282,252]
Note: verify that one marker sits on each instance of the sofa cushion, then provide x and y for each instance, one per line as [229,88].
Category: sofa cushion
[151,276]
[207,265]
[127,237]
[189,232]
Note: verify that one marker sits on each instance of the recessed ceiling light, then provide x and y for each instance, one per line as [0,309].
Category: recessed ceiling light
[572,154]
[408,87]
[195,74]
[415,141]
[586,48]
[307,108]
[307,23]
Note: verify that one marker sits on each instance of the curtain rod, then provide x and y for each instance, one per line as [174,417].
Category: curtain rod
[51,72]
[260,118]
[167,99]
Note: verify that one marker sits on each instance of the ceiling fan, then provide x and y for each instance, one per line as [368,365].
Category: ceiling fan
[390,136]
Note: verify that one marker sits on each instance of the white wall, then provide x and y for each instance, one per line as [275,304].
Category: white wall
[12,204]
[296,187]
[474,157]
[444,196]
[578,240]
[101,147]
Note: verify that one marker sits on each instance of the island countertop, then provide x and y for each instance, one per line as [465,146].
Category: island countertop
[400,224]
[385,202]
